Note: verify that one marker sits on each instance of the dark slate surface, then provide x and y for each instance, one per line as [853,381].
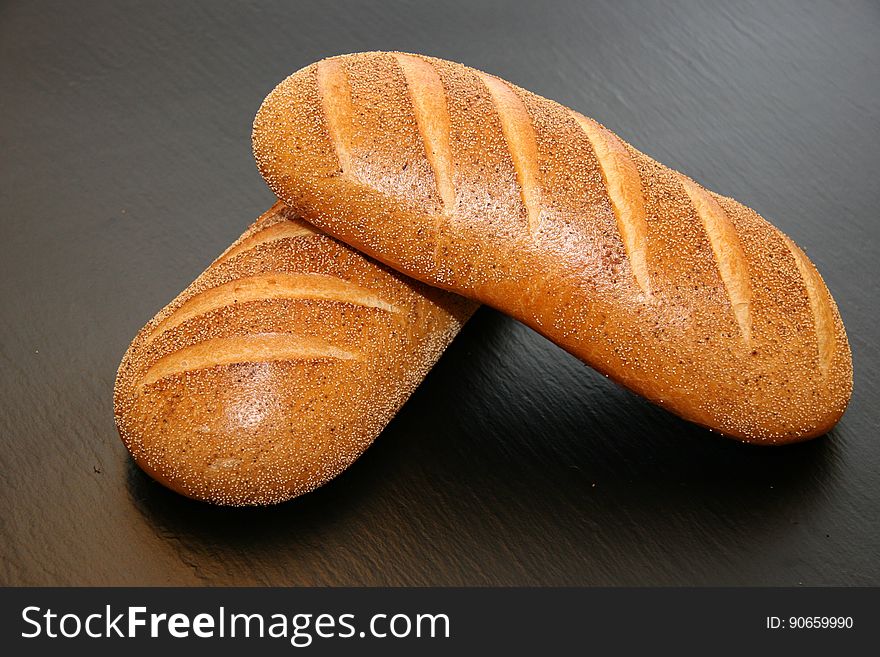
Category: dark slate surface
[124,138]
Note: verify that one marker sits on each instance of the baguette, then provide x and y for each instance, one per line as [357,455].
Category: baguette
[469,183]
[277,367]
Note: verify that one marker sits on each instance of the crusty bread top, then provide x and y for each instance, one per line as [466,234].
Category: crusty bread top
[470,183]
[277,366]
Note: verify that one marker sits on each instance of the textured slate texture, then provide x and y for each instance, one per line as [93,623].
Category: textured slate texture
[124,142]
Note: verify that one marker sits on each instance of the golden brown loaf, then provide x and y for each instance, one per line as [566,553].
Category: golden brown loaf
[472,184]
[277,367]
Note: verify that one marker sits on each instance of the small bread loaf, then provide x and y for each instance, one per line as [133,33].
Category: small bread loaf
[278,366]
[469,183]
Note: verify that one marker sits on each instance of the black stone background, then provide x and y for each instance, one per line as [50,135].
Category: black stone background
[126,168]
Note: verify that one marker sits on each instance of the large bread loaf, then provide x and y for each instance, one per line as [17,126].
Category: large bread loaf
[469,183]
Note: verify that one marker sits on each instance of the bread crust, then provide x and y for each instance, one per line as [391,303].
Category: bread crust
[278,366]
[474,185]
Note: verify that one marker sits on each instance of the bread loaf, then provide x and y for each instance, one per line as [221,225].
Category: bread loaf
[275,369]
[469,183]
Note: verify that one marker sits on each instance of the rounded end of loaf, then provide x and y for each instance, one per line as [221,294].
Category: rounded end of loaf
[277,367]
[234,435]
[788,381]
[302,131]
[793,372]
[277,133]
